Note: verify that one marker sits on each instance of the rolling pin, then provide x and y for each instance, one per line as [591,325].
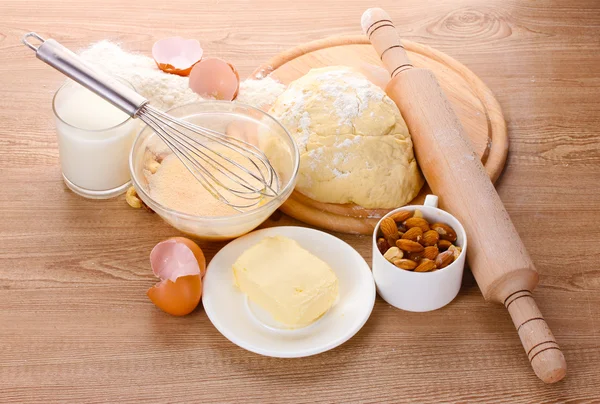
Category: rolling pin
[496,255]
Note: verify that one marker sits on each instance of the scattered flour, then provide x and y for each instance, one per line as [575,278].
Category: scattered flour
[298,111]
[315,155]
[338,158]
[348,104]
[260,93]
[302,140]
[339,174]
[347,143]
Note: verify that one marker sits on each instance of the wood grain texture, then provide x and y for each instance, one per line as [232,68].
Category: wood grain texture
[471,99]
[75,324]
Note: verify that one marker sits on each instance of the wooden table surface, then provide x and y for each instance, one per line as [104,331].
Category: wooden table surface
[75,322]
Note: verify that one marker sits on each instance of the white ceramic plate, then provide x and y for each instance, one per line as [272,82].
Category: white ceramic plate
[251,328]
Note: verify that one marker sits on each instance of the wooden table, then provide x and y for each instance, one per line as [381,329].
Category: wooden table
[76,325]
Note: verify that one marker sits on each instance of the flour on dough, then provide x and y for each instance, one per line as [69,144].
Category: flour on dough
[354,144]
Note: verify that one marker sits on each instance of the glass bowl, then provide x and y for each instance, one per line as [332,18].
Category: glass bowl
[239,120]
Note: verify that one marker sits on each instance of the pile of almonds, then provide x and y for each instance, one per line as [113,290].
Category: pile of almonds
[408,241]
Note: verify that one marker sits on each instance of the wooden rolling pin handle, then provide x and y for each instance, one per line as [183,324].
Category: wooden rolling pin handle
[379,28]
[547,360]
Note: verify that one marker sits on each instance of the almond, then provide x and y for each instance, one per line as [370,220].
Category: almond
[444,244]
[425,266]
[389,230]
[430,252]
[446,232]
[393,253]
[409,245]
[430,237]
[418,213]
[401,216]
[413,234]
[444,259]
[409,265]
[417,222]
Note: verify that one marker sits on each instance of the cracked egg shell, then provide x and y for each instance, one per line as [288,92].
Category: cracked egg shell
[180,265]
[215,78]
[177,55]
[177,298]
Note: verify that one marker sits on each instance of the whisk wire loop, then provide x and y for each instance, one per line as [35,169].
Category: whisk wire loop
[188,143]
[221,138]
[196,170]
[233,183]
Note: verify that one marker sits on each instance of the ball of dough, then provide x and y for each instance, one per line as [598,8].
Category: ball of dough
[354,144]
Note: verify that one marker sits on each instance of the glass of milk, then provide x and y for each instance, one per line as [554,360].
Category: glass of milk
[94,140]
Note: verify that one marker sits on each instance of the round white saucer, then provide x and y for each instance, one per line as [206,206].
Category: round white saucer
[251,328]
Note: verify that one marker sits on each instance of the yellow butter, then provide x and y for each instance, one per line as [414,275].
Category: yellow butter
[286,280]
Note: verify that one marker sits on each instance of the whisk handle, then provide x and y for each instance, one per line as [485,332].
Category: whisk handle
[71,65]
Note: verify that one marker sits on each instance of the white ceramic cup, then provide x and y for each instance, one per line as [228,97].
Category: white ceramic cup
[420,291]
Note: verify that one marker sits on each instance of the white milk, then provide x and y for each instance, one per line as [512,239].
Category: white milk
[94,140]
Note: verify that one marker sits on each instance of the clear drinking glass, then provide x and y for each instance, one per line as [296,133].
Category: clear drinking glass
[94,141]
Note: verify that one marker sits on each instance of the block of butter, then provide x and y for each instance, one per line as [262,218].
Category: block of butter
[280,276]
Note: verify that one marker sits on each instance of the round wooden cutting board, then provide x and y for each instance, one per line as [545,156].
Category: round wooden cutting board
[472,100]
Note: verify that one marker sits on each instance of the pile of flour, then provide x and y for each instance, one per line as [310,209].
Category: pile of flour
[162,89]
[166,90]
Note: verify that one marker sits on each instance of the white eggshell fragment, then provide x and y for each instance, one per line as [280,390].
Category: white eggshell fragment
[170,260]
[177,55]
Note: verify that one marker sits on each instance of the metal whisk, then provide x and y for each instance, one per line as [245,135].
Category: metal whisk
[234,171]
